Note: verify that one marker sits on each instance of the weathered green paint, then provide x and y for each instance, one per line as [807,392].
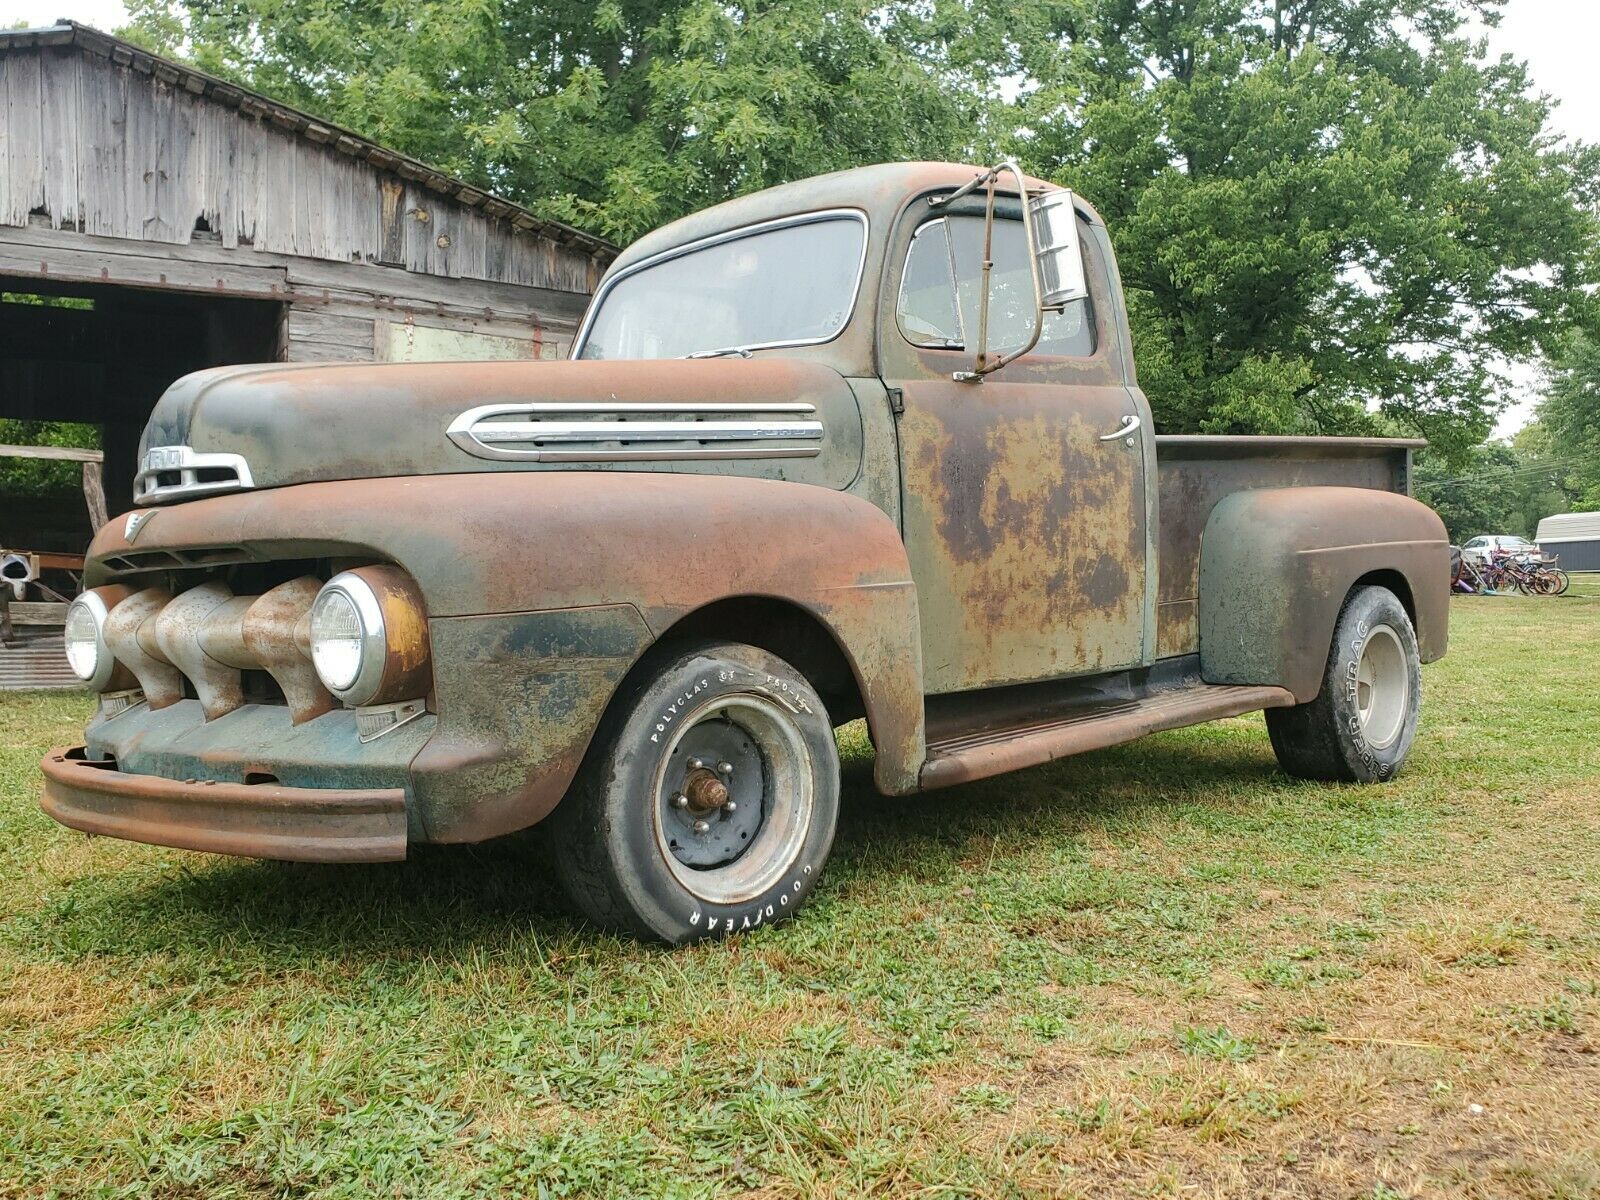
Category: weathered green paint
[177,742]
[1277,563]
[518,703]
[301,423]
[662,545]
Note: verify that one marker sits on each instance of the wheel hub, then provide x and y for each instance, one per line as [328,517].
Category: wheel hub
[1383,687]
[715,789]
[735,789]
[704,792]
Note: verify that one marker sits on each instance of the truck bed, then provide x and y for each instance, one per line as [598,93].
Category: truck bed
[1194,472]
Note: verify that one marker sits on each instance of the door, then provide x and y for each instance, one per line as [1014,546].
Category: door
[1024,496]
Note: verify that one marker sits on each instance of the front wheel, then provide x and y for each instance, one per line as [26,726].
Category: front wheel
[708,802]
[1360,726]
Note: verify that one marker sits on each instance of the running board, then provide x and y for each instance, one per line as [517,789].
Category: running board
[963,757]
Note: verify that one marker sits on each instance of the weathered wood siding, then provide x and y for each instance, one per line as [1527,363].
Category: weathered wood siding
[102,149]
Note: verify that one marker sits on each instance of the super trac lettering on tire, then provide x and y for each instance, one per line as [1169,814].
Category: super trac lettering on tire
[1352,673]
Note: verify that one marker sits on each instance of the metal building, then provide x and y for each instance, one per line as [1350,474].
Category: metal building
[1574,538]
[155,220]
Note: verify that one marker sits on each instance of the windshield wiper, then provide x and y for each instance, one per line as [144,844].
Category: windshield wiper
[722,353]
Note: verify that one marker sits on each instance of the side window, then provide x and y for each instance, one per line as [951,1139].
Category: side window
[927,306]
[946,258]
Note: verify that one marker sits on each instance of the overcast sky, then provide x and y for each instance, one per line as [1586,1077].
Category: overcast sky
[1557,38]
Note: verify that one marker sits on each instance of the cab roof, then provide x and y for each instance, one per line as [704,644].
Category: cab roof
[879,191]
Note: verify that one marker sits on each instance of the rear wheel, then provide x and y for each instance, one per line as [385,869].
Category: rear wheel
[708,802]
[1543,583]
[1360,725]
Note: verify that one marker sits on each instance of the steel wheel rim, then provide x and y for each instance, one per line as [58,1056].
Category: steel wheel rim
[780,788]
[1383,687]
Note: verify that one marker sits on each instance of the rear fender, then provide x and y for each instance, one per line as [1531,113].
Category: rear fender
[1277,563]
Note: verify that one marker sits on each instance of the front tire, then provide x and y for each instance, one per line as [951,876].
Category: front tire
[1360,726]
[707,804]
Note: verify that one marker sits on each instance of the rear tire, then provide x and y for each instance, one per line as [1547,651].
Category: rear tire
[647,840]
[1360,725]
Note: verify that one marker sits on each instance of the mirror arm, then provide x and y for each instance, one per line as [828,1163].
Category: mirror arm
[966,189]
[982,366]
[986,271]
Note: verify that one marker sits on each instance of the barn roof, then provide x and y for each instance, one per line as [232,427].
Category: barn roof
[298,123]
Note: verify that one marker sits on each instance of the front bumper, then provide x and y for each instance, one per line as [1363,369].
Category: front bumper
[256,820]
[517,697]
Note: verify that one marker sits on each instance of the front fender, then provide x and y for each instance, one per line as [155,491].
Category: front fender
[543,589]
[1277,563]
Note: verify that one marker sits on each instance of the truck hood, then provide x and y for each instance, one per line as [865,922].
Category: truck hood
[234,428]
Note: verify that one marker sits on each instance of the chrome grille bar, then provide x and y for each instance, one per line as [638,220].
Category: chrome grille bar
[647,431]
[665,432]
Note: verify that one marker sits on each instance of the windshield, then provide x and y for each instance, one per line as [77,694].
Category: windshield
[789,285]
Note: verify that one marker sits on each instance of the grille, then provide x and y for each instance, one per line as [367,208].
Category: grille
[629,432]
[178,472]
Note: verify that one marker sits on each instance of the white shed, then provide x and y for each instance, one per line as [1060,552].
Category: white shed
[1573,536]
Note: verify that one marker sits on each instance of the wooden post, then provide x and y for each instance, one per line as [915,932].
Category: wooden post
[94,495]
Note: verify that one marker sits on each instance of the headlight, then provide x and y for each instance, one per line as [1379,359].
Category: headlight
[86,647]
[85,636]
[369,639]
[338,640]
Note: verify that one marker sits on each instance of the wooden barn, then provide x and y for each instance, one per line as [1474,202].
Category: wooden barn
[155,220]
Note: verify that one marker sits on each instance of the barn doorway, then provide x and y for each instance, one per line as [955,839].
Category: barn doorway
[98,357]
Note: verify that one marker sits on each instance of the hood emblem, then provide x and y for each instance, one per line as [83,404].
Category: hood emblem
[136,521]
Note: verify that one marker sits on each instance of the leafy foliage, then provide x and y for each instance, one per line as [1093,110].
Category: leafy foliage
[1333,216]
[36,477]
[617,116]
[1569,417]
[1499,487]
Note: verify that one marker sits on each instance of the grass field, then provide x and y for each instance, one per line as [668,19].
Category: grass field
[1160,970]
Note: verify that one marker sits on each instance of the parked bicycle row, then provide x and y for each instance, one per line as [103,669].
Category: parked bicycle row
[1501,573]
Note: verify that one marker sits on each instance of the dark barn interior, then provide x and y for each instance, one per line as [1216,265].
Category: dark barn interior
[103,361]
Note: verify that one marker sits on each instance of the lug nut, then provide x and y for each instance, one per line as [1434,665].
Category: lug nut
[701,827]
[731,806]
[680,801]
[724,768]
[697,764]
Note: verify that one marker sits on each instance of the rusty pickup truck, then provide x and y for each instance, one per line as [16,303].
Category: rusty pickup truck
[864,446]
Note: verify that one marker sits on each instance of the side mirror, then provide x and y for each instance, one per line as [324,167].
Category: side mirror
[1054,262]
[1056,250]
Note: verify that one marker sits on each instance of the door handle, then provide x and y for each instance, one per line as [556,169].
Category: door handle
[1129,424]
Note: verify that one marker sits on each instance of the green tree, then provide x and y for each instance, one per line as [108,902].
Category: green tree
[617,116]
[39,477]
[1332,216]
[1498,487]
[1569,417]
[32,476]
